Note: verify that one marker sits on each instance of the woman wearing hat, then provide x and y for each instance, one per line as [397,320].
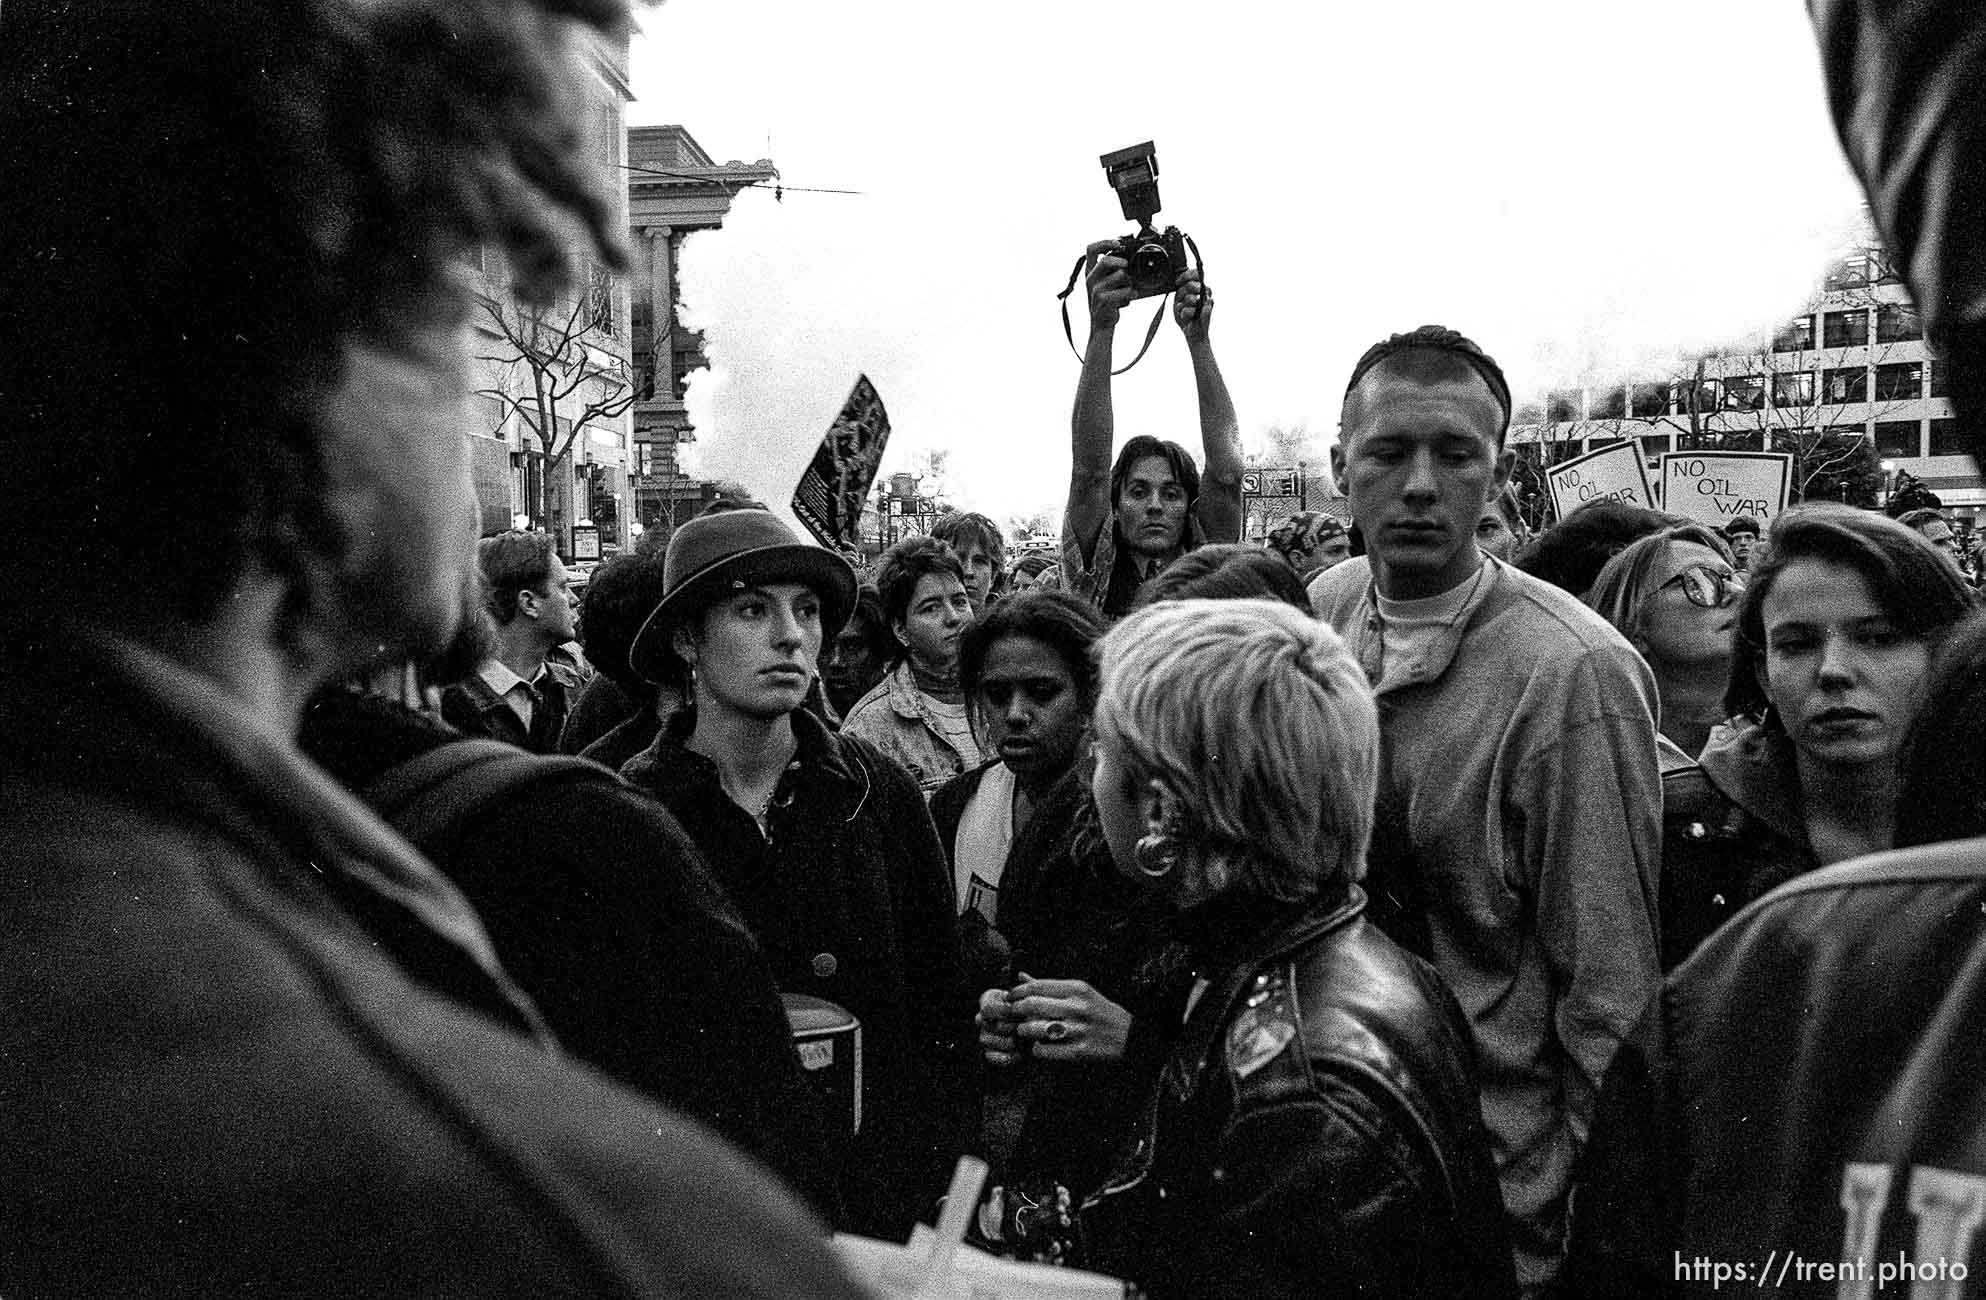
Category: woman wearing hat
[824,844]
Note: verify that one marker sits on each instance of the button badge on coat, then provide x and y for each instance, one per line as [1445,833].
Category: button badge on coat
[825,965]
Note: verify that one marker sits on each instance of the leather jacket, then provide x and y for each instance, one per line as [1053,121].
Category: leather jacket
[1316,1128]
[1809,1089]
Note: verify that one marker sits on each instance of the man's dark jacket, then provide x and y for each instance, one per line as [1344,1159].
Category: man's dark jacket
[255,1045]
[1809,1086]
[850,898]
[1316,1127]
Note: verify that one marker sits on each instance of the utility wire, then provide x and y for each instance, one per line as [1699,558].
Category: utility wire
[778,188]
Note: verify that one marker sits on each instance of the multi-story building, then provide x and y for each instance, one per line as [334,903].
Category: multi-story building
[552,427]
[674,190]
[1848,387]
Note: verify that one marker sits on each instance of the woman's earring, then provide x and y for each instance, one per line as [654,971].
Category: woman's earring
[1158,850]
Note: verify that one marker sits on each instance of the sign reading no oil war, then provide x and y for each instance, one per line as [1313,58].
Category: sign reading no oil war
[1715,487]
[1614,473]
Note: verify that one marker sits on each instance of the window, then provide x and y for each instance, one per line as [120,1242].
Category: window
[1653,445]
[1562,407]
[1896,322]
[1793,390]
[1703,397]
[1851,272]
[1649,400]
[1609,404]
[1946,440]
[1797,337]
[600,298]
[1850,384]
[1844,329]
[1899,438]
[1939,387]
[1902,382]
[1744,393]
[1741,440]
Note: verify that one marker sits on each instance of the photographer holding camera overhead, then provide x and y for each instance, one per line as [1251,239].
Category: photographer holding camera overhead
[1127,521]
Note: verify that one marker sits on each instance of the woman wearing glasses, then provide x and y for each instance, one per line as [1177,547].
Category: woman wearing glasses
[1833,643]
[1674,596]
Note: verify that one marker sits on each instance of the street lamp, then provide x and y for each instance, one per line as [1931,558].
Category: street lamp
[1889,480]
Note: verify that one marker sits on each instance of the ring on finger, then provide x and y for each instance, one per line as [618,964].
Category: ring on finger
[1056,1031]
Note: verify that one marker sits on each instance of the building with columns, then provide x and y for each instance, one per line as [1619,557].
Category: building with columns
[560,374]
[674,190]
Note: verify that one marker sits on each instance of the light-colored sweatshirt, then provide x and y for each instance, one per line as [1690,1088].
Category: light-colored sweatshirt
[1519,795]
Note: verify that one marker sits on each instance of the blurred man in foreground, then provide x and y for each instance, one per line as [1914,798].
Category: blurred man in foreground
[255,1042]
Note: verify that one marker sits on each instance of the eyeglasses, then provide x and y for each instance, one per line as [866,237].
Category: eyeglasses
[1708,587]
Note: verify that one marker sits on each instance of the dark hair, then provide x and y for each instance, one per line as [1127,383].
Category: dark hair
[1920,517]
[1429,355]
[1066,624]
[512,562]
[1942,791]
[868,622]
[1146,447]
[1742,524]
[897,576]
[1227,571]
[960,529]
[310,175]
[1570,554]
[620,596]
[1915,586]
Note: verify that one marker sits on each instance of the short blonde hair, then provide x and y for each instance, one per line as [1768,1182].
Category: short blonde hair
[1260,724]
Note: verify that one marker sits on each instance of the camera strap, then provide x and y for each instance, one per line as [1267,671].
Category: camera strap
[1151,331]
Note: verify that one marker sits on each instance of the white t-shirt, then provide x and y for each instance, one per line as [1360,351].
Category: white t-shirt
[1409,628]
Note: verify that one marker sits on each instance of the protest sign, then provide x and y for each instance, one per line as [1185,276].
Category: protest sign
[1613,473]
[1715,487]
[831,493]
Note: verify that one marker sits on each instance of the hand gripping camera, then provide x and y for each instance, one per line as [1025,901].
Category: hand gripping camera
[1155,259]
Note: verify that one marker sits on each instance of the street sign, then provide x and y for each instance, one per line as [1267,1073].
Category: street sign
[1614,473]
[1715,487]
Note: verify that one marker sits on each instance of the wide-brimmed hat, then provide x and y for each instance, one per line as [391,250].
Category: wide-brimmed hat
[713,555]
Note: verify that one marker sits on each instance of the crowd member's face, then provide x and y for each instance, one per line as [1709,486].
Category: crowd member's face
[980,567]
[403,494]
[938,613]
[1676,628]
[1741,548]
[1032,711]
[1843,676]
[755,651]
[1493,535]
[1330,551]
[1939,534]
[1151,511]
[1024,581]
[558,605]
[1418,465]
[850,665]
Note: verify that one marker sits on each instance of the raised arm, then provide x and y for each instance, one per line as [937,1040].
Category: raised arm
[1092,427]
[1219,507]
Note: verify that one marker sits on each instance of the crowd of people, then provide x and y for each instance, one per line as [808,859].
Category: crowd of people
[1408,907]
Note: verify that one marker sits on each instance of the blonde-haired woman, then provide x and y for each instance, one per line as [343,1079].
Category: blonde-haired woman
[1317,1118]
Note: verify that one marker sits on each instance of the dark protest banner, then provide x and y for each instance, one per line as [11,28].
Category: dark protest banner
[831,493]
[1715,487]
[1615,473]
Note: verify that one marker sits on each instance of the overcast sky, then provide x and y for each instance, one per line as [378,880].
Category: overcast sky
[1582,191]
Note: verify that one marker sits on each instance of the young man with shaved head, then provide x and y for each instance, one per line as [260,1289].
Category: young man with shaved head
[1519,817]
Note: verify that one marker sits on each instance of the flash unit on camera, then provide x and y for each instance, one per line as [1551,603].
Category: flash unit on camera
[1133,174]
